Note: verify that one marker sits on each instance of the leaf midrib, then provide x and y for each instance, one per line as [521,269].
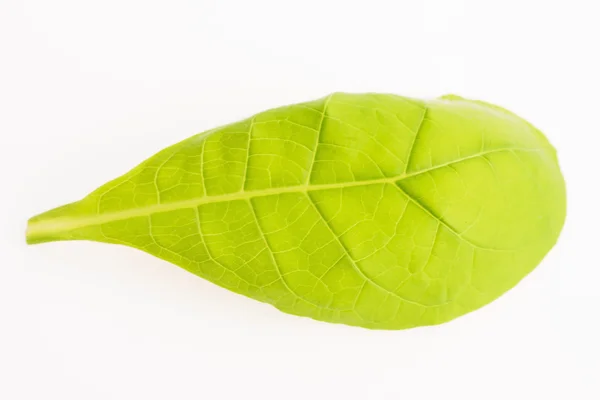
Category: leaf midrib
[65,224]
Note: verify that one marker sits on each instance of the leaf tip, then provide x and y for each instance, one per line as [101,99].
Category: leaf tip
[451,97]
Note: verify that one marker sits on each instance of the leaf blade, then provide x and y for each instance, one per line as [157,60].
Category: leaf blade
[222,204]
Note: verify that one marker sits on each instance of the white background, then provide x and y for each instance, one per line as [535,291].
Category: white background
[90,88]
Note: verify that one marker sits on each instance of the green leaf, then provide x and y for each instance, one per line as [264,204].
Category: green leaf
[372,210]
